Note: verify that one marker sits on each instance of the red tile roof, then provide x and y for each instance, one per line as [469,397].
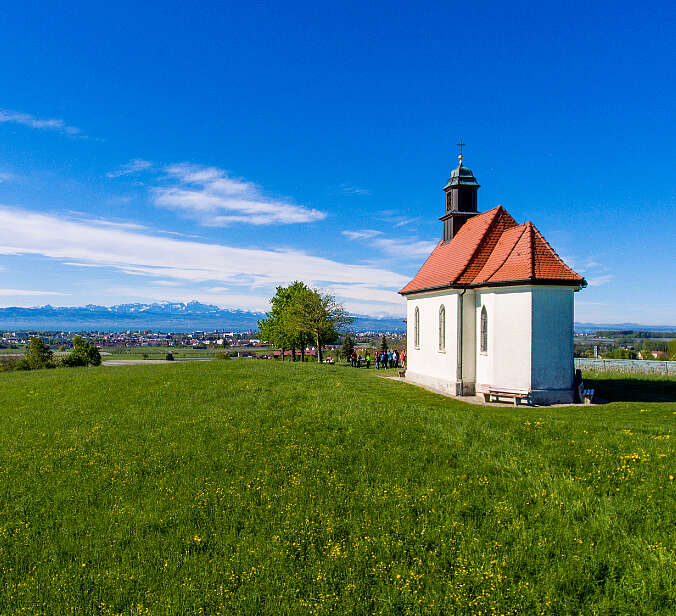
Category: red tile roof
[492,249]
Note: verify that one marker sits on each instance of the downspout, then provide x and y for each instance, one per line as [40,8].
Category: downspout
[458,373]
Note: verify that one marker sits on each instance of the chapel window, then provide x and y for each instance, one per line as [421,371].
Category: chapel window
[484,330]
[442,328]
[416,328]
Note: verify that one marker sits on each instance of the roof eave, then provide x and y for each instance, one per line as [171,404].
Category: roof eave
[580,284]
[559,282]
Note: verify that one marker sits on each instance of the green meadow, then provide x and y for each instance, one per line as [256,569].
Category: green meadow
[242,487]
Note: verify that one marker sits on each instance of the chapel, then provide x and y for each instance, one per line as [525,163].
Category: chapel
[491,310]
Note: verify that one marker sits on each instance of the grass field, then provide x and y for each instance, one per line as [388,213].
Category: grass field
[268,488]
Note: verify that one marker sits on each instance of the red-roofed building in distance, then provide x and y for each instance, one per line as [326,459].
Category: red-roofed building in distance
[491,309]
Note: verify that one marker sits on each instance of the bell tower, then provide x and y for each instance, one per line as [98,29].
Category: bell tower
[461,198]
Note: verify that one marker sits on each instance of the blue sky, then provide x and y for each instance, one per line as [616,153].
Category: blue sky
[179,151]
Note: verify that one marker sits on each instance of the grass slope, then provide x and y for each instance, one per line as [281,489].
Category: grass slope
[268,488]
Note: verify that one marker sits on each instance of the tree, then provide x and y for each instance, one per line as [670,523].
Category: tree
[383,344]
[301,315]
[273,328]
[280,324]
[38,356]
[317,316]
[671,353]
[348,347]
[84,353]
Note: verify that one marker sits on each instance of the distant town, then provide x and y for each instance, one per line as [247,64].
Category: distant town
[147,339]
[618,344]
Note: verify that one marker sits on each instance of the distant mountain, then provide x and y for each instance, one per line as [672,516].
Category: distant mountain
[164,316]
[589,328]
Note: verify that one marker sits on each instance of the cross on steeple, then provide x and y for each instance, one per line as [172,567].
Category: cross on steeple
[460,145]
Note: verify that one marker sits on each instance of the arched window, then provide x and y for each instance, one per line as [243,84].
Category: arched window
[442,328]
[416,328]
[484,330]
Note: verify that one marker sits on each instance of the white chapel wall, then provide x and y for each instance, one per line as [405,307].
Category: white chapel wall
[469,342]
[427,364]
[552,366]
[507,362]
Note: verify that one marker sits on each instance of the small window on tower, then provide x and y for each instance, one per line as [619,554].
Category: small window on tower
[483,347]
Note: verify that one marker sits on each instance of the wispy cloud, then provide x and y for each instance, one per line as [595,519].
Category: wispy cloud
[362,234]
[214,199]
[26,119]
[354,190]
[598,280]
[396,218]
[592,268]
[400,247]
[133,166]
[403,248]
[6,177]
[27,292]
[166,283]
[246,271]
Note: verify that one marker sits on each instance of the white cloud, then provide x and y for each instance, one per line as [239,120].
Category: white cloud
[363,234]
[26,292]
[354,190]
[594,271]
[26,119]
[166,283]
[133,166]
[405,248]
[402,248]
[241,269]
[598,280]
[395,218]
[214,199]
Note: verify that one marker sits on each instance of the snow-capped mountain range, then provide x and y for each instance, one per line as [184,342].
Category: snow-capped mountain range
[164,316]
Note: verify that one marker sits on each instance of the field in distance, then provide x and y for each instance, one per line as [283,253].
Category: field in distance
[277,488]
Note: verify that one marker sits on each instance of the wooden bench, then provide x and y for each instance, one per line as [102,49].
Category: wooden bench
[587,396]
[516,396]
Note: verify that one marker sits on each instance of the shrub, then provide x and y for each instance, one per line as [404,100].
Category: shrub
[38,356]
[84,353]
[8,364]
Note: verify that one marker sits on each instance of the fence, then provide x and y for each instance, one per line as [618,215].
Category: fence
[627,365]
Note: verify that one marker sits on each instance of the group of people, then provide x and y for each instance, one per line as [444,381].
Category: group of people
[382,359]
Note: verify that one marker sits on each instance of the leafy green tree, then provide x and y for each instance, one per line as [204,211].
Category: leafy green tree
[383,344]
[654,345]
[672,349]
[279,326]
[317,316]
[38,356]
[273,328]
[84,353]
[621,354]
[300,316]
[348,347]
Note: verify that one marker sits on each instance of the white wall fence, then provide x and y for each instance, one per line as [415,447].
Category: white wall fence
[627,365]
